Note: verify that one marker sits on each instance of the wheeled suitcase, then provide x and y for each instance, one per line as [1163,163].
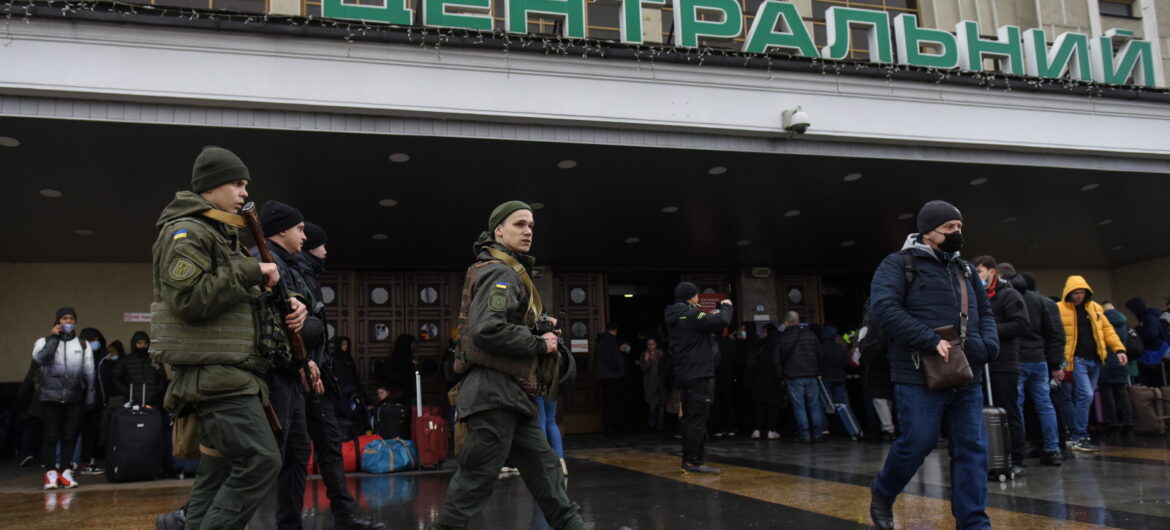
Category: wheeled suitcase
[390,420]
[428,429]
[136,442]
[999,444]
[842,414]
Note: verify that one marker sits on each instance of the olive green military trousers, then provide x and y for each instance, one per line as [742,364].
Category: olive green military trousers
[229,488]
[495,436]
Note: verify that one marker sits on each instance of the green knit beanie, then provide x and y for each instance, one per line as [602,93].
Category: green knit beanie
[217,166]
[501,213]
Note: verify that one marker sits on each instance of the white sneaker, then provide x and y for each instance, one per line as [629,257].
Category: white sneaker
[51,480]
[756,434]
[67,479]
[773,435]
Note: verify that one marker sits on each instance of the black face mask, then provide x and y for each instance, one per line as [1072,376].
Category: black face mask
[953,242]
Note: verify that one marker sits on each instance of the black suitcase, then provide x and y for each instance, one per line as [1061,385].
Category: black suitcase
[390,421]
[999,446]
[136,444]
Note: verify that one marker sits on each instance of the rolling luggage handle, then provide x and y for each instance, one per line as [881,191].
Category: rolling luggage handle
[418,394]
[987,381]
[130,399]
[826,397]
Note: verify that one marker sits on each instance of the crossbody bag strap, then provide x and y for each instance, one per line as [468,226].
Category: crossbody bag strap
[963,316]
[534,304]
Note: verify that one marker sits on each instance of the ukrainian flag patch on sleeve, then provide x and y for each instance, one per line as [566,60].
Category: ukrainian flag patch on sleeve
[179,234]
[501,285]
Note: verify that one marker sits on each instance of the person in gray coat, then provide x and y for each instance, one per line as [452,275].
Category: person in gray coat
[67,386]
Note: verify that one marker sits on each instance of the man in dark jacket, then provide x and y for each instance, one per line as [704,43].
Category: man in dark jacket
[1041,357]
[498,355]
[800,359]
[284,228]
[1150,327]
[611,373]
[321,413]
[834,360]
[909,306]
[136,372]
[693,353]
[1011,322]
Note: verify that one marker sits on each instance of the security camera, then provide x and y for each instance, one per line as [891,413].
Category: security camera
[795,120]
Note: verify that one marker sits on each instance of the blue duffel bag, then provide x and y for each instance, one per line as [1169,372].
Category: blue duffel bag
[388,456]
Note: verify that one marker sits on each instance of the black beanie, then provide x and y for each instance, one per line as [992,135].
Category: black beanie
[934,213]
[217,166]
[62,312]
[314,236]
[685,291]
[276,217]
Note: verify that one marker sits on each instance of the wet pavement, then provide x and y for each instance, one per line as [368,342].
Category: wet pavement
[635,483]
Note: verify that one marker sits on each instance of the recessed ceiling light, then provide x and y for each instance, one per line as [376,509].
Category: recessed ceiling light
[743,242]
[792,213]
[670,209]
[717,170]
[51,193]
[906,216]
[628,295]
[852,177]
[1118,248]
[388,203]
[1090,187]
[979,181]
[83,232]
[632,240]
[567,164]
[399,158]
[536,205]
[380,237]
[1104,222]
[8,141]
[847,243]
[1034,246]
[1010,219]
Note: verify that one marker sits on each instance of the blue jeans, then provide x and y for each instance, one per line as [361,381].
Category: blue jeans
[547,418]
[921,413]
[1085,374]
[806,406]
[1034,384]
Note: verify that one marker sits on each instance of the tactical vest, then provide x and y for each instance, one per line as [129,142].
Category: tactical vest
[228,338]
[467,354]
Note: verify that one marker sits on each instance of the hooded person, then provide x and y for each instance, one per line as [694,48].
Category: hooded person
[136,377]
[1116,410]
[67,387]
[1089,338]
[1151,329]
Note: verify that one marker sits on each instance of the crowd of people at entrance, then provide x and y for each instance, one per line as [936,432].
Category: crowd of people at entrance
[962,352]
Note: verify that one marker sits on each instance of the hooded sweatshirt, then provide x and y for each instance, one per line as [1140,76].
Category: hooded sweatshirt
[1100,331]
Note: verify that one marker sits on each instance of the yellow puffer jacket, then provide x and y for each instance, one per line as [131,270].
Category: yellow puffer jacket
[1103,332]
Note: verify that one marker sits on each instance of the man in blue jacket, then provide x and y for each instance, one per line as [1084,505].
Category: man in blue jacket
[908,302]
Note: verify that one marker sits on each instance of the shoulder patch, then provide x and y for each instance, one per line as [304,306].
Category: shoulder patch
[501,285]
[179,234]
[498,300]
[182,269]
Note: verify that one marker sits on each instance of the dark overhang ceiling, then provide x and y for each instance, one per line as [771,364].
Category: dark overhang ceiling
[115,178]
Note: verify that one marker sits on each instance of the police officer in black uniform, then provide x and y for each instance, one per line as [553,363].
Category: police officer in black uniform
[321,410]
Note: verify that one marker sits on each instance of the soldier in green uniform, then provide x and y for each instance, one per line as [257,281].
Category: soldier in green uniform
[502,358]
[204,326]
